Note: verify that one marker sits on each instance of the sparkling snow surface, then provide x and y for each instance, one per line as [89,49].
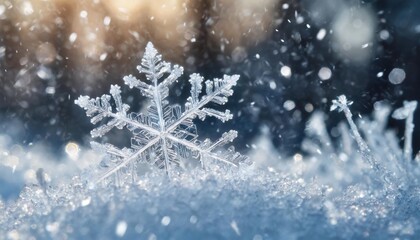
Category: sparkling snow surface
[222,205]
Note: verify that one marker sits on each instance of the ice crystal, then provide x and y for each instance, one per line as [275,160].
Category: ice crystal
[380,150]
[165,135]
[407,112]
[342,105]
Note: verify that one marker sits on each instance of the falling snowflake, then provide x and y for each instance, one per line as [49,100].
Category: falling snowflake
[165,135]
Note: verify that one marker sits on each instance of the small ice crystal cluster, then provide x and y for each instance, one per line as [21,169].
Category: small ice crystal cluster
[378,162]
[165,135]
[355,183]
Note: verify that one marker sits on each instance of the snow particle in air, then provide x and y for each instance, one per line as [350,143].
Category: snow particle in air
[324,73]
[85,202]
[239,54]
[257,237]
[121,228]
[107,20]
[2,51]
[2,9]
[396,76]
[297,157]
[46,53]
[27,8]
[83,14]
[44,73]
[166,220]
[286,71]
[273,85]
[72,150]
[193,219]
[309,107]
[50,90]
[346,25]
[289,105]
[73,37]
[384,35]
[300,20]
[52,227]
[235,228]
[152,237]
[321,34]
[139,228]
[103,56]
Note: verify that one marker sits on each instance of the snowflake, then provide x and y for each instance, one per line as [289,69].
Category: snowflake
[341,103]
[165,135]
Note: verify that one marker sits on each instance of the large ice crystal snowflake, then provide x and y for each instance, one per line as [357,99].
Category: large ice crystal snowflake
[165,135]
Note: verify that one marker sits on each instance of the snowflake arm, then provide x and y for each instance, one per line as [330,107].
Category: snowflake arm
[108,149]
[218,91]
[100,109]
[205,149]
[145,89]
[126,160]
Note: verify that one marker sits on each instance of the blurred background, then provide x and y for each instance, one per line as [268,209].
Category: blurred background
[293,58]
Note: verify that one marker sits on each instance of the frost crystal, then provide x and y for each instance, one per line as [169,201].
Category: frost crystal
[407,112]
[165,135]
[342,104]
